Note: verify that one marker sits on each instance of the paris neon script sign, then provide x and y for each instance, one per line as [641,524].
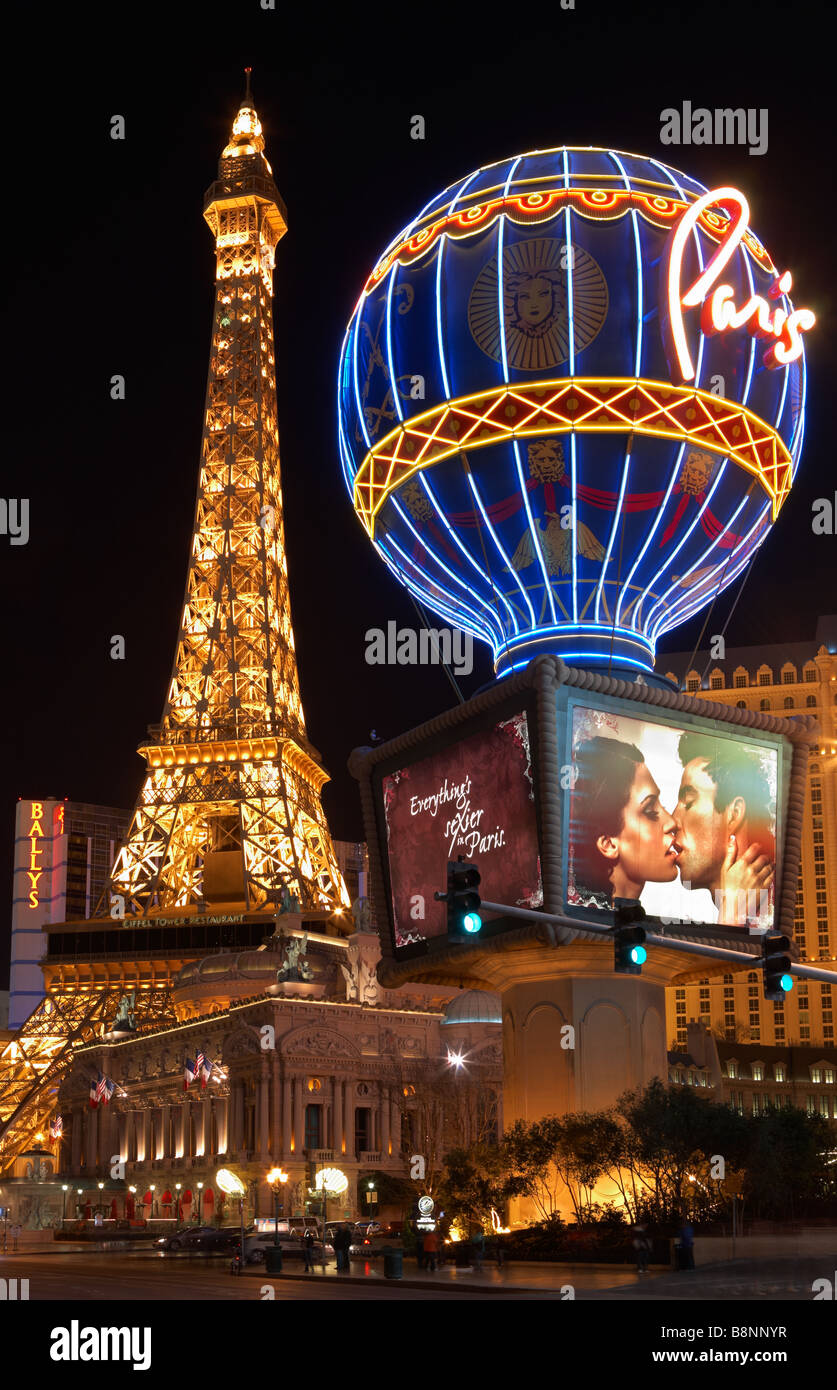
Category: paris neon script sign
[719,313]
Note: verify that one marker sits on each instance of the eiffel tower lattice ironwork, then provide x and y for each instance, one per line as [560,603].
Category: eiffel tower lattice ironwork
[230,808]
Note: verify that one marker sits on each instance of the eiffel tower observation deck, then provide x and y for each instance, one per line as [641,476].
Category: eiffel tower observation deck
[229,812]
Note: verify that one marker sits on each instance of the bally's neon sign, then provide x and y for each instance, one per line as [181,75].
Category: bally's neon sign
[719,312]
[34,872]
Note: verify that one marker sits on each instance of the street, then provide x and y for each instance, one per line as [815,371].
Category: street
[146,1275]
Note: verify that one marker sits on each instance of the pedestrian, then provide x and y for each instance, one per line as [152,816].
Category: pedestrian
[687,1244]
[499,1252]
[431,1249]
[642,1247]
[478,1249]
[15,1234]
[342,1239]
[308,1249]
[420,1249]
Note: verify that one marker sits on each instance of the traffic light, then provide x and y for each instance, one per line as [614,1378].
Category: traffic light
[778,979]
[463,901]
[629,953]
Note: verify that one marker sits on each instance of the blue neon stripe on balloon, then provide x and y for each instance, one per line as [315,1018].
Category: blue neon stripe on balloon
[507,562]
[676,551]
[396,398]
[665,597]
[466,552]
[501,312]
[435,555]
[359,408]
[658,518]
[533,529]
[679,614]
[426,590]
[442,243]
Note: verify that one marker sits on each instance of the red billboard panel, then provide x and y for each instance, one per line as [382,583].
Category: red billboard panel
[474,798]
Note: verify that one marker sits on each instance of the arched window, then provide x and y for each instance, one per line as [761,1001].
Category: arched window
[741,704]
[788,674]
[810,672]
[764,704]
[788,702]
[765,675]
[811,701]
[716,680]
[740,678]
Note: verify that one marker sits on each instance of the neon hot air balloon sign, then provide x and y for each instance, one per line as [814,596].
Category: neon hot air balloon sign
[719,312]
[595,448]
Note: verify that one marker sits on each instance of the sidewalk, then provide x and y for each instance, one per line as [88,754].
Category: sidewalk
[514,1277]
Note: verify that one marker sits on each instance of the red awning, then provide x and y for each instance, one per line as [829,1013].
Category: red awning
[167,1198]
[209,1198]
[147,1199]
[187,1196]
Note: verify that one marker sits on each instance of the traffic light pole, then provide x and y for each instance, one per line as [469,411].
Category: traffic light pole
[807,972]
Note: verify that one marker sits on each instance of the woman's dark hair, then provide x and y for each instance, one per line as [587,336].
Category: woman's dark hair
[605,769]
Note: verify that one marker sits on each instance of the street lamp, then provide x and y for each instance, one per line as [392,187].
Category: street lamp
[65,1189]
[277,1178]
[152,1189]
[177,1208]
[200,1203]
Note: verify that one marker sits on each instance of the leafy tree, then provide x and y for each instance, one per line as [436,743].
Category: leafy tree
[787,1158]
[474,1181]
[530,1149]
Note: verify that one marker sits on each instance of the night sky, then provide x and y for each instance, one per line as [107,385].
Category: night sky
[110,268]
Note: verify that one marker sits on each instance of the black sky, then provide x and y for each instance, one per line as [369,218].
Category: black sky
[110,270]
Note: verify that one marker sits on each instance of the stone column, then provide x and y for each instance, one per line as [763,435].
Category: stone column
[91,1141]
[339,1114]
[223,1110]
[75,1147]
[179,1136]
[196,1115]
[349,1118]
[385,1109]
[163,1136]
[237,1117]
[287,1129]
[262,1136]
[275,1108]
[299,1118]
[395,1112]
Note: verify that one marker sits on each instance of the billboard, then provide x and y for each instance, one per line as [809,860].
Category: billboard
[473,798]
[681,814]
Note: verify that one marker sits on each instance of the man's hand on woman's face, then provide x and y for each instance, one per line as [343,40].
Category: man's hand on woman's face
[751,874]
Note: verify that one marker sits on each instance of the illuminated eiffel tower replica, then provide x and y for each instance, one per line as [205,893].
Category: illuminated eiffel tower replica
[228,825]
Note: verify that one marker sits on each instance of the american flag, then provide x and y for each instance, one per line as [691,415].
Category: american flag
[104,1089]
[203,1068]
[56,1127]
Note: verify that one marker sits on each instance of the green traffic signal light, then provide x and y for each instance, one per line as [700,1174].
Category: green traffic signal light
[462,899]
[629,953]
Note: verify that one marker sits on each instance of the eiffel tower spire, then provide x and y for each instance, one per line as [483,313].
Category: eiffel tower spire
[230,808]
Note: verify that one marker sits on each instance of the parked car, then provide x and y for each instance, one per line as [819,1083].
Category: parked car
[205,1240]
[256,1247]
[375,1242]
